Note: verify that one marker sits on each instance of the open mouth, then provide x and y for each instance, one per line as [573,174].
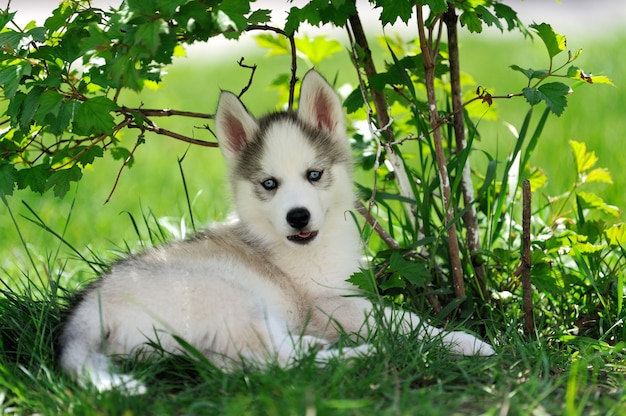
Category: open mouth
[303,237]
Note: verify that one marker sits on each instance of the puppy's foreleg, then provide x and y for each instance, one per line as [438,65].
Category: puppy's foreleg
[458,341]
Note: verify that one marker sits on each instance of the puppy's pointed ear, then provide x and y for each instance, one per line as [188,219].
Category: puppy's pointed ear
[234,125]
[320,105]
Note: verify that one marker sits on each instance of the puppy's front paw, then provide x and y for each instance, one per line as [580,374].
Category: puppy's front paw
[105,381]
[466,344]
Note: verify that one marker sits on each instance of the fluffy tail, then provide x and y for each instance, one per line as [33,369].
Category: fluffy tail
[82,357]
[93,368]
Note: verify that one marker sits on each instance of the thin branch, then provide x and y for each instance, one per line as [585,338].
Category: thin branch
[373,222]
[73,159]
[163,113]
[526,265]
[370,117]
[294,62]
[440,158]
[294,68]
[267,28]
[469,217]
[158,130]
[140,139]
[252,68]
[380,105]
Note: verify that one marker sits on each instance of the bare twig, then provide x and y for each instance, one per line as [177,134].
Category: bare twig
[150,126]
[140,139]
[373,222]
[526,265]
[294,65]
[471,222]
[444,179]
[294,68]
[252,69]
[146,112]
[380,105]
[370,119]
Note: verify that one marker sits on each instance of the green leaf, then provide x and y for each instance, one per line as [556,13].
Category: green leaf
[486,16]
[394,281]
[555,96]
[414,272]
[60,180]
[197,21]
[148,35]
[435,6]
[12,40]
[260,16]
[508,14]
[537,178]
[11,77]
[297,16]
[616,235]
[236,11]
[392,10]
[122,153]
[588,248]
[49,104]
[336,12]
[62,121]
[60,15]
[315,12]
[601,79]
[318,48]
[142,7]
[471,20]
[578,74]
[532,95]
[530,73]
[598,175]
[69,47]
[545,279]
[29,107]
[584,160]
[34,177]
[8,177]
[124,73]
[354,101]
[167,8]
[89,154]
[576,55]
[554,42]
[364,281]
[37,34]
[276,45]
[588,200]
[94,117]
[6,18]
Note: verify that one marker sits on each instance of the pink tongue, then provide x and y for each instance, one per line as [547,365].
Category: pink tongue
[304,235]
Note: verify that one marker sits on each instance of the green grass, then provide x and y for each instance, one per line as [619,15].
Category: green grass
[407,376]
[530,375]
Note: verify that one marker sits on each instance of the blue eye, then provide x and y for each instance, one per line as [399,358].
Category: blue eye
[314,175]
[269,184]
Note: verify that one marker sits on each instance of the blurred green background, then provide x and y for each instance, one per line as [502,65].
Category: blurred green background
[595,115]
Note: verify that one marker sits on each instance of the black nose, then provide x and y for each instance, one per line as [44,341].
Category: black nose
[298,218]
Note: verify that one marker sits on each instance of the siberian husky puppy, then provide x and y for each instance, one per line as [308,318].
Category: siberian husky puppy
[264,288]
